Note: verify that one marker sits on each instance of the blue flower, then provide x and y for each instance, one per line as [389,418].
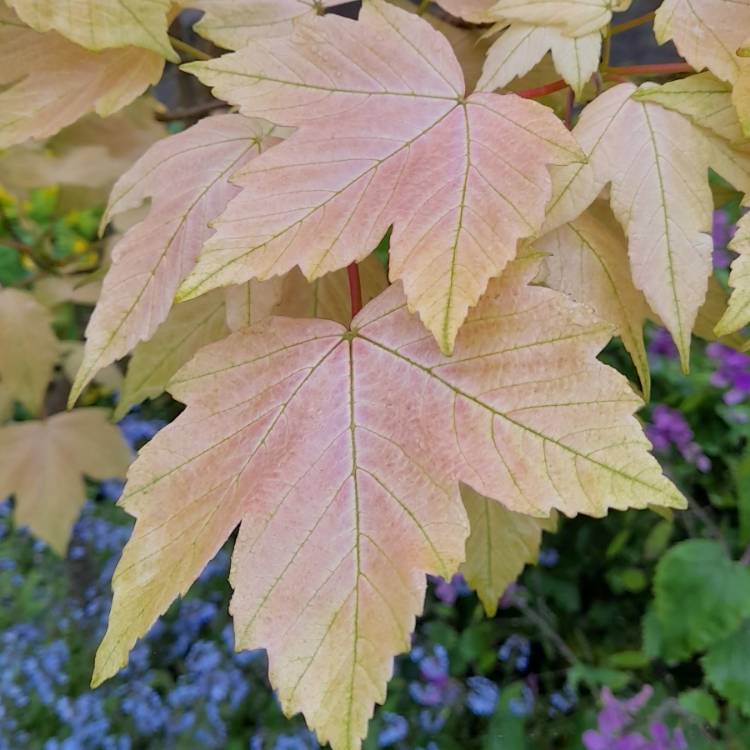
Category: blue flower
[395,728]
[482,697]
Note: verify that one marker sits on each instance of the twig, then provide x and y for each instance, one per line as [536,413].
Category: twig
[663,69]
[627,25]
[539,91]
[188,49]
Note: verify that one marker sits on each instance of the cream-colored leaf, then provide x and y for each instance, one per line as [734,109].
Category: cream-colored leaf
[234,24]
[100,24]
[738,313]
[518,49]
[54,290]
[187,178]
[657,164]
[588,259]
[72,355]
[708,33]
[28,348]
[456,221]
[705,99]
[573,17]
[339,454]
[43,464]
[328,297]
[251,302]
[712,311]
[187,329]
[500,545]
[47,82]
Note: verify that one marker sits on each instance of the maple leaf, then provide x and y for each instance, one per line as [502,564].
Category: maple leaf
[339,452]
[187,178]
[43,463]
[574,17]
[708,33]
[518,49]
[657,164]
[738,313]
[588,260]
[72,355]
[47,82]
[705,99]
[233,24]
[99,24]
[455,224]
[28,348]
[499,547]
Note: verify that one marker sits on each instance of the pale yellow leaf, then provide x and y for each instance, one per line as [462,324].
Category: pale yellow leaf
[657,164]
[738,313]
[573,17]
[234,24]
[500,545]
[6,404]
[72,355]
[187,178]
[188,328]
[339,454]
[708,33]
[454,227]
[519,48]
[251,302]
[43,464]
[54,290]
[712,311]
[588,259]
[47,82]
[705,99]
[28,348]
[99,24]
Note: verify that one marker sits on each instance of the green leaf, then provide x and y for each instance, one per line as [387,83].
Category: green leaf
[506,730]
[701,704]
[726,668]
[700,597]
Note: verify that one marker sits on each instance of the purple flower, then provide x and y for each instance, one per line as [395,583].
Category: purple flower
[670,428]
[722,231]
[662,344]
[733,372]
[449,591]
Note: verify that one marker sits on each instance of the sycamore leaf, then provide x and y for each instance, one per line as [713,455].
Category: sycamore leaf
[72,355]
[713,309]
[47,82]
[521,47]
[187,178]
[703,98]
[251,302]
[708,33]
[501,543]
[187,329]
[328,297]
[337,532]
[574,17]
[43,463]
[657,164]
[28,348]
[588,259]
[233,24]
[455,225]
[738,313]
[99,24]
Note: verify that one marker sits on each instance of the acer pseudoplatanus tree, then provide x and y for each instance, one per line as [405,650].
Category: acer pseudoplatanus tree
[361,426]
